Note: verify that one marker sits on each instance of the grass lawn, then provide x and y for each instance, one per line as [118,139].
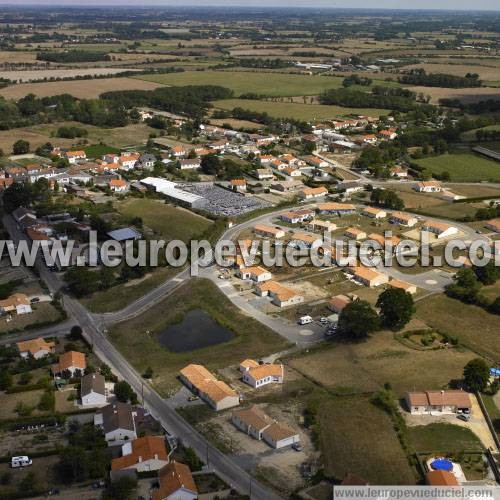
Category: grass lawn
[444,438]
[9,402]
[366,366]
[136,339]
[98,150]
[117,297]
[296,110]
[166,221]
[358,437]
[473,326]
[462,167]
[470,135]
[493,411]
[42,312]
[241,82]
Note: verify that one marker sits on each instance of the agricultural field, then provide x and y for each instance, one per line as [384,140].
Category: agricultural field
[367,366]
[463,167]
[484,71]
[465,95]
[46,74]
[83,89]
[356,436]
[470,135]
[296,110]
[165,221]
[272,84]
[136,339]
[38,135]
[472,325]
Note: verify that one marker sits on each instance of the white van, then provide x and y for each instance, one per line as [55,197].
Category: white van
[22,461]
[305,320]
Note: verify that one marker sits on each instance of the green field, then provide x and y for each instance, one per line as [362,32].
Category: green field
[470,135]
[272,84]
[441,437]
[463,167]
[358,437]
[98,150]
[298,111]
[472,325]
[166,221]
[136,340]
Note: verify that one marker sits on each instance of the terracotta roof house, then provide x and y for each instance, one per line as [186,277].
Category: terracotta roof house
[354,233]
[36,348]
[308,193]
[368,276]
[336,208]
[71,361]
[374,213]
[426,402]
[268,231]
[18,302]
[252,421]
[264,374]
[338,302]
[215,392]
[441,478]
[403,219]
[407,287]
[428,187]
[118,185]
[280,295]
[142,454]
[493,225]
[255,273]
[176,482]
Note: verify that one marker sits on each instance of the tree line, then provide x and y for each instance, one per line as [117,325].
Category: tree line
[420,77]
[73,56]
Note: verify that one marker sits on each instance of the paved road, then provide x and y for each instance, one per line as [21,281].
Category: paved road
[169,418]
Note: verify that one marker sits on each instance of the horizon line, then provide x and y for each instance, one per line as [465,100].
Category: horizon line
[145,6]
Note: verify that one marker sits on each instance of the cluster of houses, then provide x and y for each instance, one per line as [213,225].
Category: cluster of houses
[121,423]
[219,395]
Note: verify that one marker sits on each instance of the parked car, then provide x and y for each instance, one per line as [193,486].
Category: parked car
[463,416]
[323,320]
[297,446]
[193,398]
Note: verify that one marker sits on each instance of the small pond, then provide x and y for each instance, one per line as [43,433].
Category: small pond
[196,330]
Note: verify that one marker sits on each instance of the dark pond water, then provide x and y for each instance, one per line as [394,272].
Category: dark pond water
[196,330]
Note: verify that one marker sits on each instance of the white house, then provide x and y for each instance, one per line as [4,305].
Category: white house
[252,421]
[36,348]
[74,156]
[117,421]
[264,374]
[72,361]
[255,273]
[143,454]
[428,187]
[427,402]
[93,390]
[279,435]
